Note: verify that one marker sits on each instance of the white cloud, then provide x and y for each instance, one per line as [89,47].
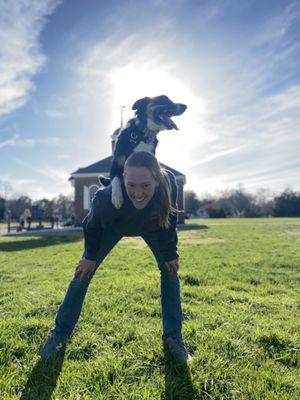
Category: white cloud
[279,26]
[58,175]
[26,186]
[116,73]
[231,131]
[20,54]
[242,122]
[267,140]
[63,156]
[54,181]
[16,141]
[56,114]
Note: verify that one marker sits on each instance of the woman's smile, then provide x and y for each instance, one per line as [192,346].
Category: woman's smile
[140,186]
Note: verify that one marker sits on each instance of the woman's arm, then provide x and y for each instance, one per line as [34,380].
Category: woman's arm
[93,228]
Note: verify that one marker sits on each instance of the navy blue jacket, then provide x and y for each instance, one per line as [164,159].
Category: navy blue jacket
[129,221]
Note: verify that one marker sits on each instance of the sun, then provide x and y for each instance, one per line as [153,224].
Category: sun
[135,81]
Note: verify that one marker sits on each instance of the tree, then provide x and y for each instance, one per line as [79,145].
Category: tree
[224,202]
[191,202]
[2,207]
[5,189]
[236,202]
[241,203]
[265,202]
[287,204]
[63,206]
[18,205]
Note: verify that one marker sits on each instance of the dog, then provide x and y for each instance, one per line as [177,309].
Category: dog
[152,115]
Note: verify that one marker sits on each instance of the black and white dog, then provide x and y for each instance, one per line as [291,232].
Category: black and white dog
[152,115]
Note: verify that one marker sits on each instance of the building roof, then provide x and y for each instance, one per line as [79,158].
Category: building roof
[103,166]
[98,167]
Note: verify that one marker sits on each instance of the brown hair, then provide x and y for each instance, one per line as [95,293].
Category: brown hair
[148,160]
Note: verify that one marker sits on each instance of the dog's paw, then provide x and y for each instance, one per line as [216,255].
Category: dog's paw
[117,201]
[116,193]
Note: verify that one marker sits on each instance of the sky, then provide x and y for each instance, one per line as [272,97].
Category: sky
[68,66]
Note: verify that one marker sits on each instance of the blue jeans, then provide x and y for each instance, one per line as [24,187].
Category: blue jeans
[70,309]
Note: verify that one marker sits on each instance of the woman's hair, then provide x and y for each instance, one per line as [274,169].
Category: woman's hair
[148,160]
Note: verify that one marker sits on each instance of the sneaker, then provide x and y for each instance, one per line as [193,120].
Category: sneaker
[177,349]
[52,346]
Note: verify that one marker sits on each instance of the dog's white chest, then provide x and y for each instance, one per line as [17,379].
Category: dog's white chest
[142,146]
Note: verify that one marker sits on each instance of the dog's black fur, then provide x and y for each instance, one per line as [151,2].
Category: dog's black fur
[152,114]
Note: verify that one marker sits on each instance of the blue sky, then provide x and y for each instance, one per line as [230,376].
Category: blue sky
[66,68]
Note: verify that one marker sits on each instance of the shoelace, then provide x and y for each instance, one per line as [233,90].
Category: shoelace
[59,346]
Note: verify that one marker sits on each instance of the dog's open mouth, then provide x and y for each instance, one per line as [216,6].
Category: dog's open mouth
[165,119]
[162,115]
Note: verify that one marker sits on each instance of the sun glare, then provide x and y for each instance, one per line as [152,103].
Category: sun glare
[133,82]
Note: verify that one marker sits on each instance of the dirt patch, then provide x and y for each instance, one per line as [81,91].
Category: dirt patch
[198,238]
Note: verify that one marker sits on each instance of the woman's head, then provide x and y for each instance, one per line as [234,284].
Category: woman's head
[142,177]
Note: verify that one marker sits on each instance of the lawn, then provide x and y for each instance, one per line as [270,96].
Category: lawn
[240,290]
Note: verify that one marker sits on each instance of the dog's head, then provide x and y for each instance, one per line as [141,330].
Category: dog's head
[156,112]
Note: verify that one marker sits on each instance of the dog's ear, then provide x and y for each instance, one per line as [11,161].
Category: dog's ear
[141,103]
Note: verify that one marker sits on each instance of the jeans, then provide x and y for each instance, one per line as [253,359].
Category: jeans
[70,309]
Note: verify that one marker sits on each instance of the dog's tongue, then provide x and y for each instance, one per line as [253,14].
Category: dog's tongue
[171,124]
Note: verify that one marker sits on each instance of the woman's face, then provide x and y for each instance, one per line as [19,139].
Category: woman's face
[140,185]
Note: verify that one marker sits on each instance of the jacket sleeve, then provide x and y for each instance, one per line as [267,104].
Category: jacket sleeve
[93,228]
[168,237]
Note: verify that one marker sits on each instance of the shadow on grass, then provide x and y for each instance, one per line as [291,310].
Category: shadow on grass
[190,227]
[43,378]
[178,383]
[36,241]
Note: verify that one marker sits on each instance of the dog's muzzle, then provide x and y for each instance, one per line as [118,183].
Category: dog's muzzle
[162,115]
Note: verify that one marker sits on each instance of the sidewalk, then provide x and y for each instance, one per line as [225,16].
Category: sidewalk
[47,231]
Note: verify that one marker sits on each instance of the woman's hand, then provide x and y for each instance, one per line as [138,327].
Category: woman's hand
[84,268]
[173,265]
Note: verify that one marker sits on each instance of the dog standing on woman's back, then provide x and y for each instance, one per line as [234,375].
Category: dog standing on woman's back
[152,115]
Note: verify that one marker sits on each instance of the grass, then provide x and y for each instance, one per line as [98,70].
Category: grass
[240,289]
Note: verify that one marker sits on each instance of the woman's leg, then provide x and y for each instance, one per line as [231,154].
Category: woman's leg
[70,309]
[170,293]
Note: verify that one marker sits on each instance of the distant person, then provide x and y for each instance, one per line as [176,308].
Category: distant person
[150,196]
[56,220]
[22,221]
[28,220]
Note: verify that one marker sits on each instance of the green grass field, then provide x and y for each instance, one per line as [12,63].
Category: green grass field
[240,292]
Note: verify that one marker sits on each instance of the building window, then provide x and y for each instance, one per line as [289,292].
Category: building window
[92,189]
[88,195]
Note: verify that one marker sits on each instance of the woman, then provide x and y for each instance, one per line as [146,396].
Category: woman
[149,211]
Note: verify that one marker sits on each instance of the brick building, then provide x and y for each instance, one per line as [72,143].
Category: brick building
[85,183]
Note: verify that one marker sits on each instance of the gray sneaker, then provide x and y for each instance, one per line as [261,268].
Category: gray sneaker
[177,349]
[52,346]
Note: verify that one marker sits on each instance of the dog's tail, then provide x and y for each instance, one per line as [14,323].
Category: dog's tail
[103,180]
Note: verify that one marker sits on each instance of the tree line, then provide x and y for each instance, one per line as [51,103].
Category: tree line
[228,203]
[239,203]
[41,210]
